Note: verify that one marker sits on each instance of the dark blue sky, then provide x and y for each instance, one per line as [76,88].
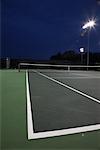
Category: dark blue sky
[40,28]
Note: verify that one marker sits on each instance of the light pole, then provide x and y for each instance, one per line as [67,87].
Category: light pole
[81,53]
[87,26]
[7,63]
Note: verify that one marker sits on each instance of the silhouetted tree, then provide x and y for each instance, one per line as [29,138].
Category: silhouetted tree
[74,57]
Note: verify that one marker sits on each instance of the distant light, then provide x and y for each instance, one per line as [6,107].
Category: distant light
[82,50]
[89,24]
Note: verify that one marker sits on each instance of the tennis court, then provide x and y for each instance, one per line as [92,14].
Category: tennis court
[61,103]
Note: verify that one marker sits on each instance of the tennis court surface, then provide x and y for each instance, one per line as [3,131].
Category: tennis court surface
[55,110]
[62,102]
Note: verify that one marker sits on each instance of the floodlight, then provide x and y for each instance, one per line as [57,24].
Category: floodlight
[89,24]
[82,50]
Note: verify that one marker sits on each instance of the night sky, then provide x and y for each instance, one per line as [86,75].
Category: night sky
[38,29]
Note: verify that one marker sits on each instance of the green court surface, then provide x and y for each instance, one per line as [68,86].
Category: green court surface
[14,125]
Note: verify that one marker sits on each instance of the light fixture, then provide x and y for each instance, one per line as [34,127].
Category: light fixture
[89,24]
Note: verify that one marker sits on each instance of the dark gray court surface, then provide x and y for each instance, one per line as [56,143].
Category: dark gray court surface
[55,107]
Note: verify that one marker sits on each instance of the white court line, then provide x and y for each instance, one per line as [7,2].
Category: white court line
[75,73]
[33,135]
[75,77]
[29,113]
[69,87]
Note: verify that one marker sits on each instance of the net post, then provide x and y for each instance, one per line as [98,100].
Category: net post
[68,68]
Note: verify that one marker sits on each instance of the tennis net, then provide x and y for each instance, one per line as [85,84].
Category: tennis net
[28,66]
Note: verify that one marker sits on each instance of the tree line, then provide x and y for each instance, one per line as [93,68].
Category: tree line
[75,57]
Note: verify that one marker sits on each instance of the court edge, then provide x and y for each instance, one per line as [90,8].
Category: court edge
[33,135]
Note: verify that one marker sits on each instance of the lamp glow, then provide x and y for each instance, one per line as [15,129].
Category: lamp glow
[89,24]
[82,50]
